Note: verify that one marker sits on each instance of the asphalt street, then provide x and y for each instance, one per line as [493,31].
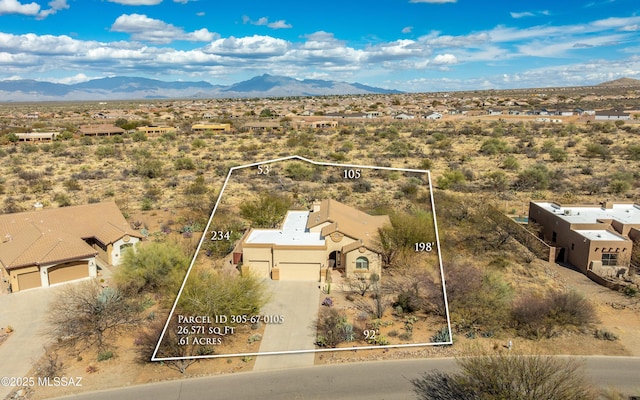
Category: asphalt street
[384,380]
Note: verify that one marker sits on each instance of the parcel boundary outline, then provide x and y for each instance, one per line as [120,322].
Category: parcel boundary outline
[326,164]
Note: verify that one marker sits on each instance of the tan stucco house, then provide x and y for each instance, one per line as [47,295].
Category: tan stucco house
[592,238]
[311,243]
[53,246]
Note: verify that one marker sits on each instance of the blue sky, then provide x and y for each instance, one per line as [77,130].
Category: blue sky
[410,45]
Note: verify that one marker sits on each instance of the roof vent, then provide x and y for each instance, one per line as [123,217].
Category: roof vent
[7,238]
[38,206]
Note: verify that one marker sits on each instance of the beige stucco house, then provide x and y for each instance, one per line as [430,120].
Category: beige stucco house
[592,238]
[311,243]
[53,246]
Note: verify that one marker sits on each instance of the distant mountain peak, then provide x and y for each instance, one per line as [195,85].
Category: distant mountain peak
[621,82]
[131,88]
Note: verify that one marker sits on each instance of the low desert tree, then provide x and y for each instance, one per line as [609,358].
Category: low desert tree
[88,315]
[508,377]
[536,177]
[267,211]
[182,354]
[406,229]
[333,328]
[544,316]
[156,267]
[479,300]
[209,292]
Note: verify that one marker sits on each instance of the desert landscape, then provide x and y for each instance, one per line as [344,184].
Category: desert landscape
[487,153]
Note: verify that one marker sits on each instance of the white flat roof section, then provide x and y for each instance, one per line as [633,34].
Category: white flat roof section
[598,235]
[625,213]
[293,232]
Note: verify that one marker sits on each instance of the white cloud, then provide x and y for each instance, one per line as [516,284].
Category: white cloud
[280,24]
[55,6]
[407,29]
[137,2]
[146,29]
[15,7]
[255,46]
[32,9]
[522,14]
[78,78]
[264,21]
[445,59]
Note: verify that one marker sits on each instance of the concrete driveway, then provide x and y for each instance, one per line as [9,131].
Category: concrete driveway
[26,313]
[298,303]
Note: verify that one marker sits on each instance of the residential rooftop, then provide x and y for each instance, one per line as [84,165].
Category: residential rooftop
[626,213]
[597,235]
[294,232]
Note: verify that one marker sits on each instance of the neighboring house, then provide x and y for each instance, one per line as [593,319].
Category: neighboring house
[311,243]
[100,130]
[36,136]
[156,130]
[433,115]
[404,116]
[52,246]
[592,238]
[262,126]
[211,127]
[606,115]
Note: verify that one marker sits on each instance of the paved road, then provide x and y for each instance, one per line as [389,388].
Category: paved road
[298,303]
[26,313]
[385,380]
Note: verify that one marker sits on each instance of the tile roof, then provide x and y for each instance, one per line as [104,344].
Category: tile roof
[55,235]
[347,220]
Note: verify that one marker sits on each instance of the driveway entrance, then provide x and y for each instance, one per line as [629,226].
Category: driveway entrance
[298,303]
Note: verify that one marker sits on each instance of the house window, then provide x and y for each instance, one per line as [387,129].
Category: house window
[573,246]
[362,263]
[554,237]
[609,259]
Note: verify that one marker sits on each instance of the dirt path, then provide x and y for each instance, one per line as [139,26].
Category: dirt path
[618,313]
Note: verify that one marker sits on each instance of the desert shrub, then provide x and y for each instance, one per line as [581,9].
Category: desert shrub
[149,168]
[593,150]
[105,355]
[106,152]
[72,184]
[633,150]
[299,171]
[493,146]
[450,179]
[558,154]
[139,136]
[184,163]
[398,149]
[479,301]
[267,211]
[536,177]
[212,292]
[88,315]
[544,316]
[406,229]
[505,376]
[441,336]
[156,267]
[361,186]
[604,334]
[333,328]
[619,186]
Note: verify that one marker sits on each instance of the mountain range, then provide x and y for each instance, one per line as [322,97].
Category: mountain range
[132,88]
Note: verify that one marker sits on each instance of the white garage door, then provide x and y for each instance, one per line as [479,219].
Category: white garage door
[259,268]
[299,271]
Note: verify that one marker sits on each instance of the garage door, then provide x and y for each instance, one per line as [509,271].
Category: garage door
[68,272]
[259,268]
[299,272]
[29,280]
